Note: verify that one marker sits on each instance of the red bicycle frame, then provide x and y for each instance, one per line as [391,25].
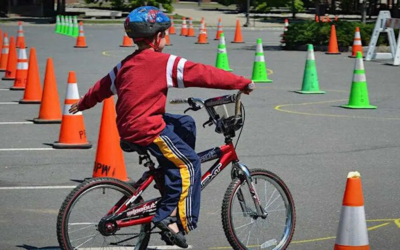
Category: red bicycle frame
[126,214]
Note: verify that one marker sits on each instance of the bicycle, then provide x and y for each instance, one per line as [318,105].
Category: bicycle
[248,220]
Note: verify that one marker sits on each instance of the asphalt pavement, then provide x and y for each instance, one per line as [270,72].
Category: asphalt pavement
[308,140]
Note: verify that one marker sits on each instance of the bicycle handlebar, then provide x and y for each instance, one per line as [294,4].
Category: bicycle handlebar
[193,102]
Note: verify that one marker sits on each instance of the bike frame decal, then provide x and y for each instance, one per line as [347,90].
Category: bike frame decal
[140,209]
[228,154]
[210,154]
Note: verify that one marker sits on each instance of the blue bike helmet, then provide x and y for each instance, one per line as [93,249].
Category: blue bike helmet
[146,21]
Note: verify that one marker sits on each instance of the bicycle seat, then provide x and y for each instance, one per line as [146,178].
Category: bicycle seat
[131,147]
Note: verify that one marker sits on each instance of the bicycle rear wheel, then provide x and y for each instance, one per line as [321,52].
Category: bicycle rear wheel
[243,228]
[82,210]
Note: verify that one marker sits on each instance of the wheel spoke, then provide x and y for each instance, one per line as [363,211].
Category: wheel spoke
[246,227]
[86,205]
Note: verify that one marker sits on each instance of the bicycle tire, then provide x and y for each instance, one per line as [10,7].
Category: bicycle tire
[226,212]
[74,195]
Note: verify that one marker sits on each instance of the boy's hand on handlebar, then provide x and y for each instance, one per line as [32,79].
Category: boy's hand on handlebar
[247,90]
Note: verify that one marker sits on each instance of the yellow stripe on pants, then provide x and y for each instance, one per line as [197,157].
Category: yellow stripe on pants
[183,169]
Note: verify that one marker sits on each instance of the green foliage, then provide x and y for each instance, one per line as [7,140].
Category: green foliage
[264,5]
[117,4]
[298,6]
[315,33]
[166,4]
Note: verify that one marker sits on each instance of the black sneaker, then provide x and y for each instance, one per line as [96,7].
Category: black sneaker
[169,236]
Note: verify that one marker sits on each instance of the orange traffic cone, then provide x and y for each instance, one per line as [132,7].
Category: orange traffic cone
[1,40]
[4,53]
[167,41]
[357,45]
[316,18]
[127,41]
[284,31]
[11,62]
[33,89]
[191,29]
[202,39]
[202,21]
[22,71]
[172,28]
[20,37]
[109,157]
[184,30]
[72,131]
[80,40]
[219,29]
[333,45]
[352,231]
[50,111]
[238,33]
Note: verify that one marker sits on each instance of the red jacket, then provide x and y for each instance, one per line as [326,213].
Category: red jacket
[141,82]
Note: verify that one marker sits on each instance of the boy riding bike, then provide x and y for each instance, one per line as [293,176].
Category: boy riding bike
[141,81]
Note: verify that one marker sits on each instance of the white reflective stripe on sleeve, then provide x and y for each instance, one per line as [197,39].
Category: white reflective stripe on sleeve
[170,66]
[352,230]
[66,110]
[179,75]
[112,77]
[72,91]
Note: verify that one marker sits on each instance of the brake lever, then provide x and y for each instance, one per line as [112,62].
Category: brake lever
[194,108]
[209,122]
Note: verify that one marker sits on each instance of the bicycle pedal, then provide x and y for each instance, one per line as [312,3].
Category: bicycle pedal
[166,240]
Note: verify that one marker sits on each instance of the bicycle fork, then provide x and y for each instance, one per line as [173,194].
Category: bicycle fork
[240,170]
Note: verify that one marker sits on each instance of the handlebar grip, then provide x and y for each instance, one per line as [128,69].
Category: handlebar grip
[178,101]
[252,85]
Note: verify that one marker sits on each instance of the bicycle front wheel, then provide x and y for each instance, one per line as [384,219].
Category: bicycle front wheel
[243,228]
[80,214]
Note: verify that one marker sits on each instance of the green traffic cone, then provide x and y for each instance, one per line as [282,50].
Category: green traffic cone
[62,30]
[222,57]
[75,32]
[310,77]
[58,25]
[71,27]
[259,74]
[68,29]
[359,93]
[66,26]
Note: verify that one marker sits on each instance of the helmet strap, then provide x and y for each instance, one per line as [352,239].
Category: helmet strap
[155,46]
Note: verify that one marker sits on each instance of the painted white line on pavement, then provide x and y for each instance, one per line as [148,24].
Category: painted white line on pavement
[25,149]
[123,248]
[130,247]
[37,187]
[6,103]
[14,123]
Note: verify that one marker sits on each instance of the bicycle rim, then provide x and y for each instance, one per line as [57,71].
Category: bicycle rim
[244,229]
[83,212]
